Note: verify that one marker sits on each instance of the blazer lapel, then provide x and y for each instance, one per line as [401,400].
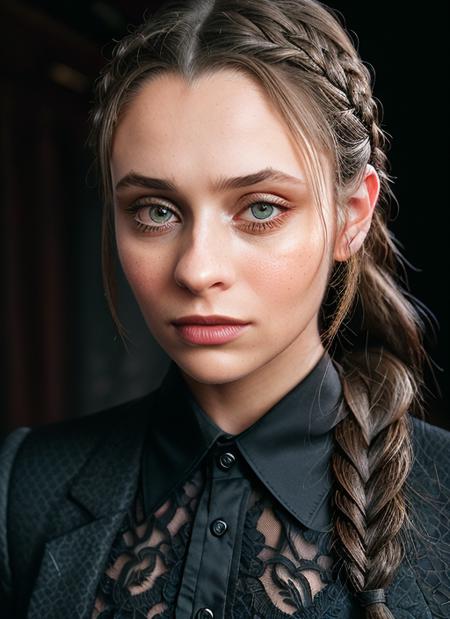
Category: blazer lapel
[70,570]
[85,525]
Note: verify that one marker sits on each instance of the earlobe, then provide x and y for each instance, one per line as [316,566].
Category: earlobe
[358,215]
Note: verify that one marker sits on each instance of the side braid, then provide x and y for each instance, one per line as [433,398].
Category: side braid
[373,445]
[373,455]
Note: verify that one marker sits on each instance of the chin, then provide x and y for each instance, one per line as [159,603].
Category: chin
[211,367]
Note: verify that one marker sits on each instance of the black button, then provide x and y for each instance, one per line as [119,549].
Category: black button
[226,460]
[218,527]
[204,613]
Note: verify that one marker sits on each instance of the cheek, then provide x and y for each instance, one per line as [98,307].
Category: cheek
[289,274]
[145,268]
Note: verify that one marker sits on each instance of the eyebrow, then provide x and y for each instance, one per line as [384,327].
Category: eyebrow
[133,179]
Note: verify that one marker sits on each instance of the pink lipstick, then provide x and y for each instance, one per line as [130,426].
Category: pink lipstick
[207,330]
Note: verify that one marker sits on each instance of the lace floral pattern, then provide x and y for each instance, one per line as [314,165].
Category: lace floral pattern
[284,567]
[283,564]
[145,565]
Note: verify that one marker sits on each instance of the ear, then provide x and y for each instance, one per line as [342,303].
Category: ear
[358,216]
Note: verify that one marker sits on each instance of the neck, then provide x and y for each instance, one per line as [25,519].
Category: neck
[236,405]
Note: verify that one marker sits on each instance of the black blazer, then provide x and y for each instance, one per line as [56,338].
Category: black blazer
[65,488]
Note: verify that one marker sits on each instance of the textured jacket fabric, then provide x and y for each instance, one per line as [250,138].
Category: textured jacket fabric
[66,489]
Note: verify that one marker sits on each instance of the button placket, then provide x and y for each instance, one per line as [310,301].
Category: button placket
[229,492]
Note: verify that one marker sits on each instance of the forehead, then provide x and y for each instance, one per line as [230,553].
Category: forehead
[222,123]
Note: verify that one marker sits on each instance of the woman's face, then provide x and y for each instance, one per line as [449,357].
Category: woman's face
[254,251]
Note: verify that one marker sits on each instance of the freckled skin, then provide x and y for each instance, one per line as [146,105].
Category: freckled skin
[207,263]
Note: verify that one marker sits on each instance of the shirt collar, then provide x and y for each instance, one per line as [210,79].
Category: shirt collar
[288,448]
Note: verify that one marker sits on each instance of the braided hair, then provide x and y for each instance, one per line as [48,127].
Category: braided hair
[301,55]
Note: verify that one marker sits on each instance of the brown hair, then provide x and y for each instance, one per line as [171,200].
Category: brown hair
[301,55]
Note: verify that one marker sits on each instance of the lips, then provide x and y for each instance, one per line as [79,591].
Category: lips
[197,329]
[209,334]
[216,319]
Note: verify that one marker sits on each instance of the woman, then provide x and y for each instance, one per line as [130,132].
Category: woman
[283,468]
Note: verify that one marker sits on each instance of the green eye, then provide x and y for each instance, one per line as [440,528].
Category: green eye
[265,209]
[160,211]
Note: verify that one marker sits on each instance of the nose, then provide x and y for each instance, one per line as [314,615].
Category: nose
[204,260]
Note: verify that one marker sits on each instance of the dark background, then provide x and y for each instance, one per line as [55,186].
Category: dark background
[61,355]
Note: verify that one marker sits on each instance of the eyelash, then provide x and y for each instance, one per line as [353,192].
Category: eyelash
[251,226]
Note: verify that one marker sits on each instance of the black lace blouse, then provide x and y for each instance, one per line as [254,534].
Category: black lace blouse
[230,526]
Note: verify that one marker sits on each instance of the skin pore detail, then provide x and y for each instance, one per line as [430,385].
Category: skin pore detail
[191,242]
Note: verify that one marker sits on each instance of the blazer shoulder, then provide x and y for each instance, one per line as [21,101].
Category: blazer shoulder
[60,446]
[73,439]
[430,471]
[428,501]
[431,453]
[39,461]
[428,437]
